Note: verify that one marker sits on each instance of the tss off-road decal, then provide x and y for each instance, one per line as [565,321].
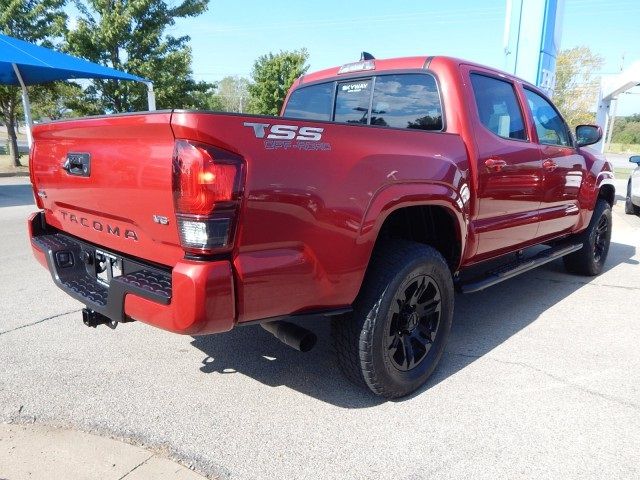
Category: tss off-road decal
[287,137]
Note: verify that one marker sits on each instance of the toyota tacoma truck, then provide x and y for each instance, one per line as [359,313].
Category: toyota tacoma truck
[382,188]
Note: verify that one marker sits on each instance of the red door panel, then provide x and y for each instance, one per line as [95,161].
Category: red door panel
[564,170]
[563,167]
[509,167]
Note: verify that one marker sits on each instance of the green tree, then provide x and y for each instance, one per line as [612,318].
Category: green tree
[130,35]
[36,21]
[626,130]
[629,134]
[57,100]
[619,125]
[577,84]
[208,99]
[272,76]
[233,93]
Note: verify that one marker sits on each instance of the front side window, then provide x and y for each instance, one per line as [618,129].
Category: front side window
[498,107]
[550,127]
[352,101]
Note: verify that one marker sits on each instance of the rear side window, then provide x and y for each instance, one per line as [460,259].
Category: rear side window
[498,107]
[352,101]
[406,101]
[311,103]
[550,127]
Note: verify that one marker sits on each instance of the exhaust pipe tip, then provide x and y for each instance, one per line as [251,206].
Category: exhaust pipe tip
[307,342]
[293,335]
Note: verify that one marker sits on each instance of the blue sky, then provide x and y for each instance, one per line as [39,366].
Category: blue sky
[232,34]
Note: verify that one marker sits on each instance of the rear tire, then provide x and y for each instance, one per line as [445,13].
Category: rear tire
[401,320]
[629,207]
[589,260]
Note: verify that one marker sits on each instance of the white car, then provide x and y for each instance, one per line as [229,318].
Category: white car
[632,202]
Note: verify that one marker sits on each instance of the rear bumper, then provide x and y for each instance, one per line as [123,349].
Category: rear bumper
[192,298]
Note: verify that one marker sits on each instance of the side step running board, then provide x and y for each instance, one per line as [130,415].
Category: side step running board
[519,266]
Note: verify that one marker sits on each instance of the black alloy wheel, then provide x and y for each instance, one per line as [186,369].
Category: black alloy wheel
[595,239]
[414,324]
[401,320]
[601,241]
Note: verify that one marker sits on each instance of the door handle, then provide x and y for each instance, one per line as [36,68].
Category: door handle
[73,167]
[549,165]
[495,164]
[78,164]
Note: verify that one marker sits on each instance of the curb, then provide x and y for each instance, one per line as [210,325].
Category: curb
[39,451]
[13,174]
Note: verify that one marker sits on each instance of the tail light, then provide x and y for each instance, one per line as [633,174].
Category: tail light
[207,186]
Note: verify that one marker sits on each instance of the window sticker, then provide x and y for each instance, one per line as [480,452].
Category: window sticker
[354,87]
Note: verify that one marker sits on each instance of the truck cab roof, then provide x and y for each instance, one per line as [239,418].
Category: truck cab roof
[400,63]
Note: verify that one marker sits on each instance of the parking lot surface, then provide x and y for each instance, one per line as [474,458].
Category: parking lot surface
[541,379]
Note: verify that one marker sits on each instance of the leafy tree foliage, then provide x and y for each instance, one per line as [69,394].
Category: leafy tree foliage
[626,130]
[631,134]
[56,100]
[36,21]
[208,99]
[577,85]
[272,76]
[130,35]
[233,94]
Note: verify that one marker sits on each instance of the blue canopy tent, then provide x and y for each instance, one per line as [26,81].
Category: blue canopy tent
[23,63]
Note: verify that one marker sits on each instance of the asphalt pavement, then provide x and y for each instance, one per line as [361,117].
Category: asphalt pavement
[540,380]
[621,160]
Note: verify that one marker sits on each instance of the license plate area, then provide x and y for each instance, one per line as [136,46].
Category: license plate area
[107,267]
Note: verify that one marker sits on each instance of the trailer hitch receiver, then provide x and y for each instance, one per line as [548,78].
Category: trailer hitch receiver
[91,318]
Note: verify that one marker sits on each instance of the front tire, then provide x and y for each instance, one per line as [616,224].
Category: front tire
[401,321]
[589,260]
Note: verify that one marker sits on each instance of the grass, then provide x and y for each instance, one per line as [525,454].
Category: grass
[6,164]
[5,160]
[22,136]
[624,148]
[622,172]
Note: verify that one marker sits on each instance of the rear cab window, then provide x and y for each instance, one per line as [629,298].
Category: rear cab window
[311,103]
[406,100]
[353,100]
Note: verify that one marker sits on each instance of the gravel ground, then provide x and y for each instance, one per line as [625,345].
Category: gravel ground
[540,379]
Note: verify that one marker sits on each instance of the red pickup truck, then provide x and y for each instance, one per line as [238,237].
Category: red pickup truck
[368,201]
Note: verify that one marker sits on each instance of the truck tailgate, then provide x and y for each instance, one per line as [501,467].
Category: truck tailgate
[123,201]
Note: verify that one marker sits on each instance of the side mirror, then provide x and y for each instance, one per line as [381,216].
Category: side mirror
[588,134]
[635,159]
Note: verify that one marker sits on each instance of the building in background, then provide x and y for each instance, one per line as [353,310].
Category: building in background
[532,34]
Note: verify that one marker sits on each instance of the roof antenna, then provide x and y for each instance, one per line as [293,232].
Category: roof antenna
[366,56]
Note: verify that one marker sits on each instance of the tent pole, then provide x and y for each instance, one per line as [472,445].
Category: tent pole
[151,96]
[25,104]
